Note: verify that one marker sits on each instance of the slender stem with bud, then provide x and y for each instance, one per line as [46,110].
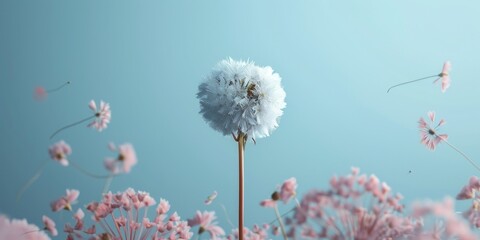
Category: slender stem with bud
[37,174]
[416,80]
[71,125]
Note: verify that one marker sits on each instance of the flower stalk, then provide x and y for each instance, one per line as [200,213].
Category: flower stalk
[241,140]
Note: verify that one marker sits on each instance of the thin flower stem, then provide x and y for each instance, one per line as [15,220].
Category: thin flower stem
[81,169]
[282,227]
[416,80]
[227,216]
[71,125]
[58,88]
[461,153]
[241,152]
[37,174]
[107,183]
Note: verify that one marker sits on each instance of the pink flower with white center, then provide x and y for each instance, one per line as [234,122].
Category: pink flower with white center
[15,229]
[59,152]
[49,225]
[125,160]
[206,222]
[65,202]
[102,115]
[428,134]
[288,189]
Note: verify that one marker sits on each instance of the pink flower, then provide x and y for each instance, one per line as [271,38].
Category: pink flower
[20,230]
[126,159]
[102,115]
[40,93]
[444,76]
[210,198]
[287,191]
[59,152]
[65,202]
[269,203]
[429,136]
[49,225]
[205,221]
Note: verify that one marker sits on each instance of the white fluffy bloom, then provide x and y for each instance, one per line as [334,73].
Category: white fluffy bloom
[239,96]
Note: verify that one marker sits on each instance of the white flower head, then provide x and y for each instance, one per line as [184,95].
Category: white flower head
[239,96]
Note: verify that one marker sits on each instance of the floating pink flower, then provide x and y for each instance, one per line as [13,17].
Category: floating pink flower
[102,115]
[49,225]
[65,202]
[444,76]
[206,222]
[210,198]
[59,152]
[126,159]
[288,189]
[101,118]
[40,93]
[20,230]
[428,134]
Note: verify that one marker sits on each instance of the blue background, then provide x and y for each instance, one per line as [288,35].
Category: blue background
[147,58]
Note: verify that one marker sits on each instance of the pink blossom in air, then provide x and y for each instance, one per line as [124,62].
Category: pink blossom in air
[445,76]
[15,229]
[102,115]
[125,160]
[428,134]
[205,221]
[288,189]
[65,202]
[210,198]
[49,225]
[40,93]
[59,152]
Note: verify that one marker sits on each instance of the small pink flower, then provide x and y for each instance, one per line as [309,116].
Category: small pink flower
[288,189]
[163,207]
[444,76]
[210,198]
[65,202]
[429,136]
[40,93]
[205,221]
[126,159]
[59,152]
[269,203]
[49,225]
[102,115]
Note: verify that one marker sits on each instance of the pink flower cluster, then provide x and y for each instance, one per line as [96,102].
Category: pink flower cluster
[20,230]
[341,214]
[119,216]
[445,224]
[472,191]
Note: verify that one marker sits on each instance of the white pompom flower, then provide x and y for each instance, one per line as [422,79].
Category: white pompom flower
[240,97]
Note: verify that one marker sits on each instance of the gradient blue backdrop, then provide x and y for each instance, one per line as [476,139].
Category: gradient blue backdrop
[146,58]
